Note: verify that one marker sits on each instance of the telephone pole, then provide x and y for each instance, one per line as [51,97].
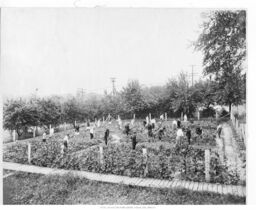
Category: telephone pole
[113,80]
[193,74]
[81,93]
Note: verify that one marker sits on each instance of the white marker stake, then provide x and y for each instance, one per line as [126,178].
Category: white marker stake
[207,164]
[75,123]
[134,116]
[144,151]
[34,132]
[145,160]
[198,115]
[65,126]
[149,117]
[13,135]
[29,153]
[165,116]
[101,155]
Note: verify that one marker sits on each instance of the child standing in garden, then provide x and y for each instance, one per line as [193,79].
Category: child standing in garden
[178,124]
[64,146]
[150,128]
[106,136]
[91,132]
[219,129]
[44,137]
[174,124]
[134,142]
[127,129]
[179,135]
[188,134]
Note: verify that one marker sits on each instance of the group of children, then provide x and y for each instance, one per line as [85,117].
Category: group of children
[152,131]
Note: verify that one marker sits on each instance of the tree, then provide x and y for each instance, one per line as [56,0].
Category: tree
[133,98]
[155,98]
[50,112]
[181,95]
[223,43]
[19,115]
[73,111]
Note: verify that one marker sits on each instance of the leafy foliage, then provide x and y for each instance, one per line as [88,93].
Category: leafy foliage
[223,43]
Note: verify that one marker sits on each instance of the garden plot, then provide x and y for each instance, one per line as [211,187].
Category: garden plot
[164,159]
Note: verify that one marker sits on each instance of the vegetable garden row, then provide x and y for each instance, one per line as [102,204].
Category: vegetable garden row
[165,159]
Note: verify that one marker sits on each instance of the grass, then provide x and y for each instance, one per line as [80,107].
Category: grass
[26,188]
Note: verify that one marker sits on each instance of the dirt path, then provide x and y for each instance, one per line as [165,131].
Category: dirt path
[230,148]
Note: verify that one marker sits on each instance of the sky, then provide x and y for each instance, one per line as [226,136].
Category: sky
[58,50]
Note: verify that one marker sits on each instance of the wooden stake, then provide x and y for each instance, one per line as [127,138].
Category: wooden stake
[101,155]
[198,115]
[13,135]
[145,160]
[34,132]
[207,164]
[149,117]
[29,153]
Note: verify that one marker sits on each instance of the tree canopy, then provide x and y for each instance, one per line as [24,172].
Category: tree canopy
[223,43]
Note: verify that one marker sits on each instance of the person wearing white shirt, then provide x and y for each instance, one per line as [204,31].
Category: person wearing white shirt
[185,118]
[44,137]
[174,124]
[64,146]
[147,120]
[179,135]
[66,138]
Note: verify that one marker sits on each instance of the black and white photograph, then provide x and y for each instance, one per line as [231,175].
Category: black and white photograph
[124,106]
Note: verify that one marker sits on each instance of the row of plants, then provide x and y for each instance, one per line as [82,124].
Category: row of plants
[180,161]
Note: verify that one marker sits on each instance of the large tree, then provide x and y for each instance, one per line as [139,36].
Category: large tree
[181,97]
[19,115]
[223,43]
[50,112]
[133,97]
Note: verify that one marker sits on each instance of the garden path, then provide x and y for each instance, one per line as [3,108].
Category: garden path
[230,148]
[142,182]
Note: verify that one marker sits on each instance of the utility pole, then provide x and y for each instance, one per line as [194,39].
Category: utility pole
[192,74]
[81,93]
[113,80]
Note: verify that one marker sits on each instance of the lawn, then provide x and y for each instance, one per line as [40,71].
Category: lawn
[26,188]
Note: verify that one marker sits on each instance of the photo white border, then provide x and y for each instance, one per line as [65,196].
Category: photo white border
[225,4]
